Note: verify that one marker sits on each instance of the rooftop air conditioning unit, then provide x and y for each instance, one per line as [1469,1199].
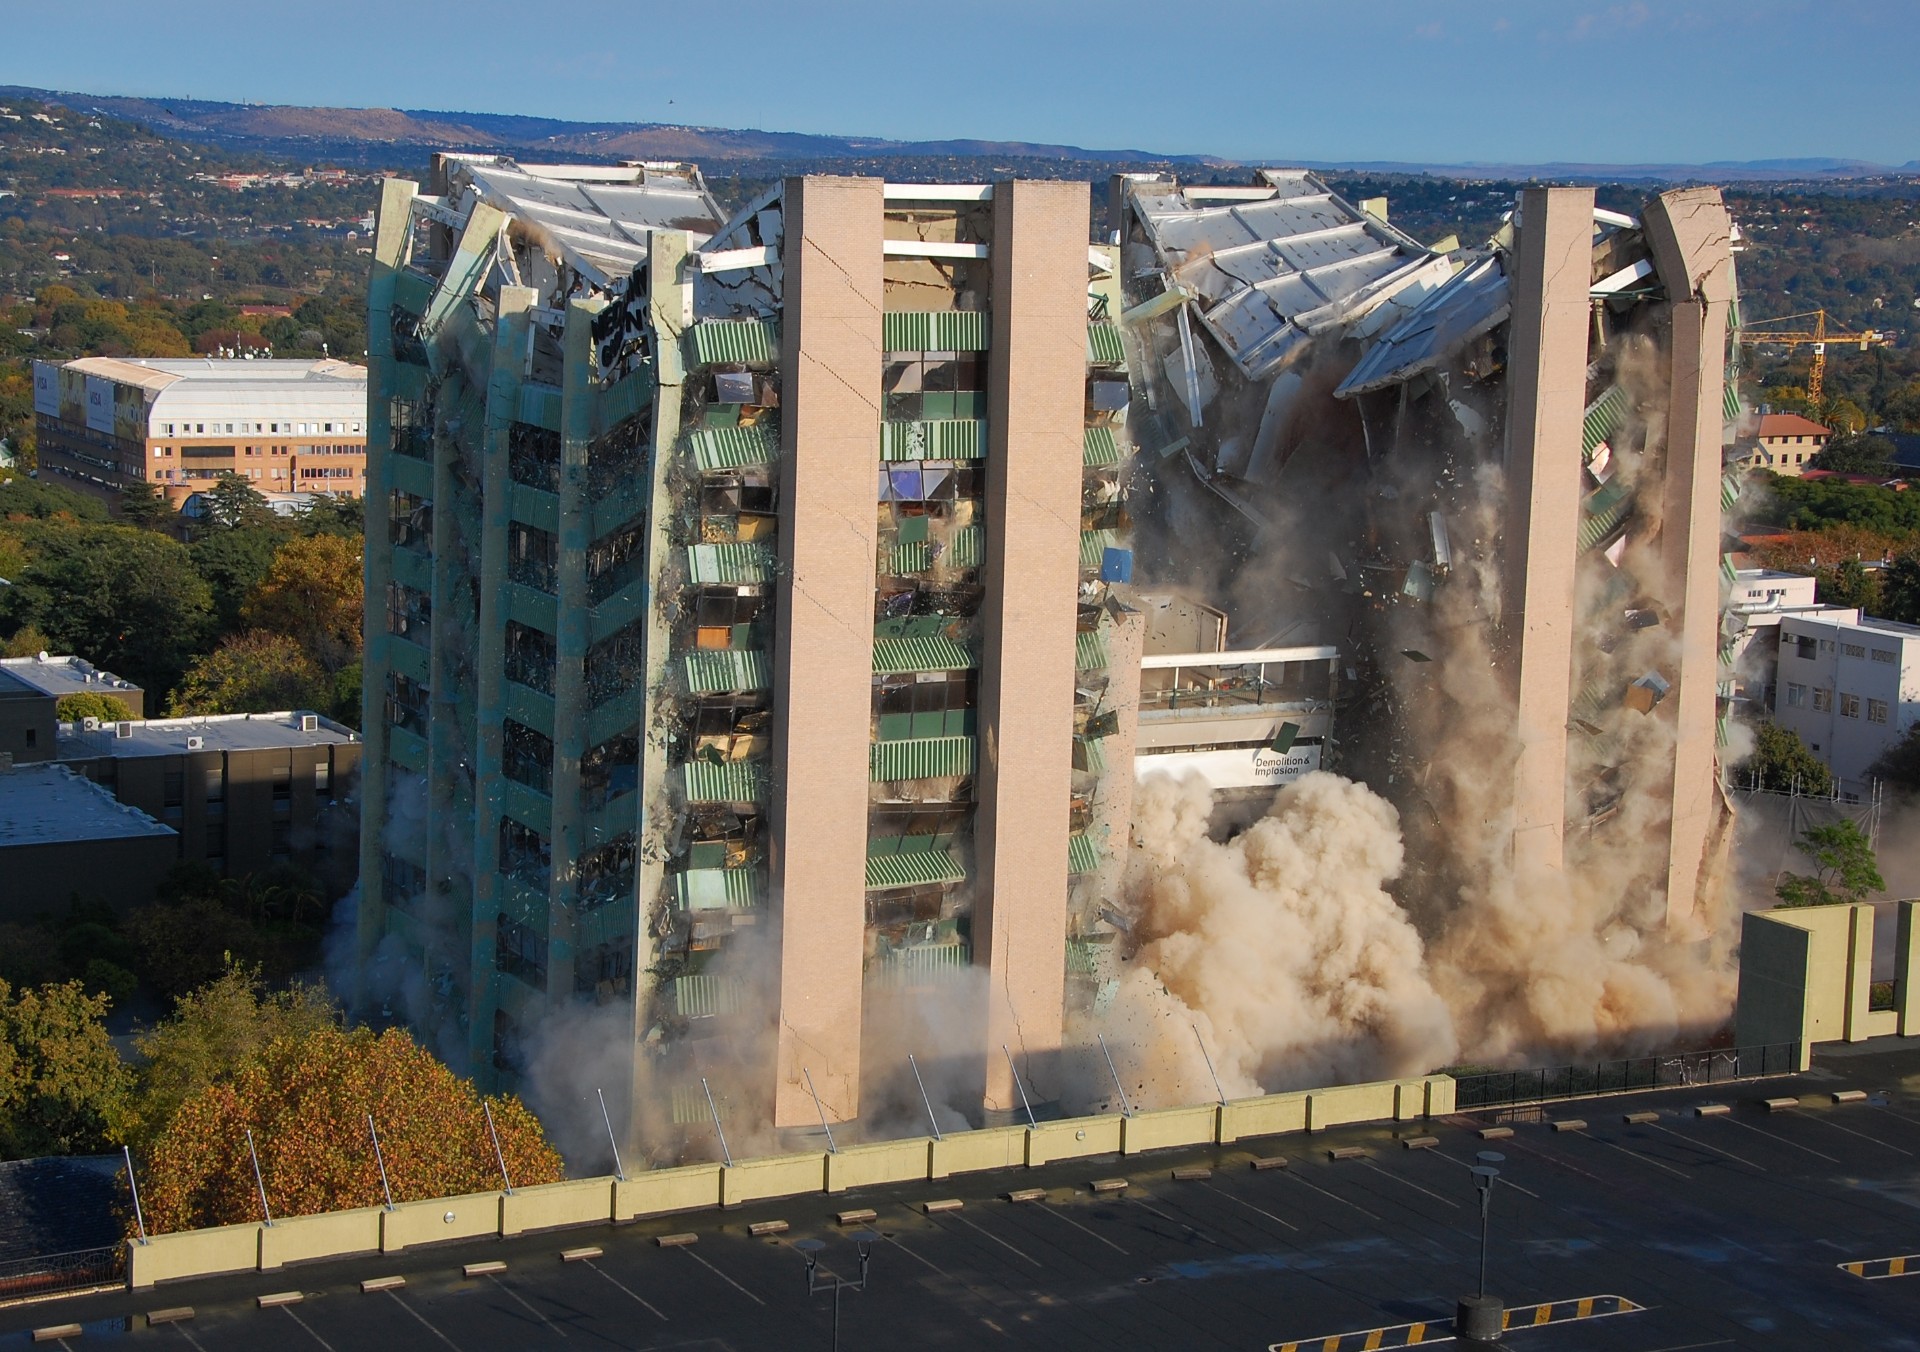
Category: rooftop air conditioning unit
[123,729]
[89,725]
[195,743]
[309,722]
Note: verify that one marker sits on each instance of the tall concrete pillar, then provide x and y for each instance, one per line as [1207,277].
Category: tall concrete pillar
[1031,571]
[1691,238]
[1546,393]
[823,635]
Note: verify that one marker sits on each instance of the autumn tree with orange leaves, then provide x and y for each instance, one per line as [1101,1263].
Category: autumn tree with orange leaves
[307,1101]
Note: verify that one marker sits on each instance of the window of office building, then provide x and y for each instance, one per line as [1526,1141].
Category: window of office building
[1849,705]
[526,756]
[525,854]
[1876,711]
[1804,647]
[530,657]
[1885,655]
[520,951]
[1853,649]
[1822,700]
[605,970]
[1796,696]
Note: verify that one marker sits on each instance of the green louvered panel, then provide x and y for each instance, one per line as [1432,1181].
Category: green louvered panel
[1727,570]
[691,1108]
[897,656]
[1603,419]
[540,405]
[717,889]
[1083,856]
[749,341]
[734,447]
[933,331]
[1094,545]
[727,671]
[1079,958]
[918,964]
[1730,405]
[1720,734]
[1089,754]
[411,292]
[918,557]
[729,565]
[1103,345]
[701,996]
[1730,490]
[1604,513]
[727,782]
[934,439]
[915,868]
[1089,650]
[920,758]
[1099,449]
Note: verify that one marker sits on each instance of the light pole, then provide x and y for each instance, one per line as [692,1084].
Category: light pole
[810,1249]
[1479,1317]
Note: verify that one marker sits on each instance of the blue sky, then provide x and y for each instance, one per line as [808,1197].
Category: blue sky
[1516,81]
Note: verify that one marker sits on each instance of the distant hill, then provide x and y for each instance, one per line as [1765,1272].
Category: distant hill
[392,135]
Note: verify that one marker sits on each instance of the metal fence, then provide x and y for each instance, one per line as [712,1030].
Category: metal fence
[1676,1069]
[55,1273]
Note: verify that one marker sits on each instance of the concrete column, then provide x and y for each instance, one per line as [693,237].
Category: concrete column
[1691,236]
[823,635]
[1906,969]
[1547,395]
[1031,570]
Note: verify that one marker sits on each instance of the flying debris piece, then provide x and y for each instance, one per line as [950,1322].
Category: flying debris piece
[1590,729]
[1103,1000]
[1646,692]
[733,387]
[1283,737]
[1118,921]
[1414,654]
[1334,566]
[1601,466]
[1616,551]
[1642,619]
[1442,543]
[1419,583]
[1104,725]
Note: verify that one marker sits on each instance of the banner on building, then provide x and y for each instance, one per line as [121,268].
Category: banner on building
[46,388]
[1244,767]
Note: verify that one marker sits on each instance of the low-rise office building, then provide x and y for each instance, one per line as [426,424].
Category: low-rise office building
[62,837]
[1850,687]
[106,423]
[31,689]
[1786,442]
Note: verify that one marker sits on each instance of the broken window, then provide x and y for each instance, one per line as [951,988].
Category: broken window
[731,728]
[605,970]
[407,703]
[507,1051]
[722,838]
[411,425]
[529,657]
[905,827]
[890,911]
[619,456]
[616,664]
[725,617]
[533,557]
[606,872]
[520,951]
[921,386]
[610,770]
[737,505]
[410,520]
[409,613]
[525,855]
[401,881]
[923,704]
[615,559]
[526,756]
[533,456]
[407,347]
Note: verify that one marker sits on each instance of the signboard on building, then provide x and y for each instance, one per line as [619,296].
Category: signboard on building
[46,388]
[1237,767]
[100,404]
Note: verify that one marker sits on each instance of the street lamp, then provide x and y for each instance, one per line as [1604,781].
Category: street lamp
[810,1249]
[1479,1317]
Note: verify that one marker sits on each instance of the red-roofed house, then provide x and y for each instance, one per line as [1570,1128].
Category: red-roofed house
[1785,442]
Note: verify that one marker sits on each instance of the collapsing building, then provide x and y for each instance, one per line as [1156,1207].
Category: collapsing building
[753,653]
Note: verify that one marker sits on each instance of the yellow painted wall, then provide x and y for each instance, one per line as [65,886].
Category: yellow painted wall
[778,1176]
[294,1239]
[582,1201]
[960,1152]
[658,1191]
[1167,1127]
[1268,1115]
[476,1213]
[861,1166]
[192,1253]
[1350,1103]
[1074,1138]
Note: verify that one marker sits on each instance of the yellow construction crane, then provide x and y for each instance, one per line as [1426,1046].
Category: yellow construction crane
[1817,337]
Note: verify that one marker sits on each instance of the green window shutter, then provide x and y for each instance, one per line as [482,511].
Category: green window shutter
[1730,489]
[1079,958]
[933,331]
[1094,545]
[701,996]
[1089,755]
[1603,419]
[915,868]
[727,782]
[898,656]
[752,342]
[716,448]
[1103,345]
[729,565]
[1089,650]
[920,964]
[934,439]
[1727,570]
[712,889]
[726,671]
[1083,856]
[920,758]
[1604,513]
[1099,449]
[540,406]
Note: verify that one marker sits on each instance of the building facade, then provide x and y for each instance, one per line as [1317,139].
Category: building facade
[64,839]
[1785,443]
[1850,687]
[105,423]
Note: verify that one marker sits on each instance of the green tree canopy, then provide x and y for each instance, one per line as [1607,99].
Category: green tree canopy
[143,505]
[24,497]
[91,704]
[253,673]
[1855,453]
[233,562]
[1847,869]
[234,504]
[63,1088]
[1898,767]
[1782,763]
[312,593]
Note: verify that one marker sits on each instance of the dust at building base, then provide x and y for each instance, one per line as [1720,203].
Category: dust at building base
[875,627]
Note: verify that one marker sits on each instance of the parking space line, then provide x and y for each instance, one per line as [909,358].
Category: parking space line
[1703,1145]
[308,1327]
[192,1341]
[1879,1269]
[688,1251]
[1636,1155]
[1188,1226]
[632,1294]
[916,1255]
[1567,1311]
[1334,1195]
[1822,1118]
[1505,1182]
[1261,1211]
[1384,1173]
[972,1225]
[1774,1136]
[522,1302]
[423,1320]
[1047,1209]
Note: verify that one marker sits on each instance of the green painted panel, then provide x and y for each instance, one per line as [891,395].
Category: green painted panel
[729,565]
[701,995]
[934,331]
[1099,449]
[753,342]
[535,507]
[1089,650]
[717,448]
[412,568]
[920,758]
[727,782]
[407,750]
[540,405]
[526,705]
[1094,545]
[918,557]
[1083,856]
[934,439]
[917,868]
[714,889]
[897,656]
[1089,754]
[1103,345]
[916,964]
[411,292]
[725,671]
[1603,419]
[1604,513]
[411,476]
[409,659]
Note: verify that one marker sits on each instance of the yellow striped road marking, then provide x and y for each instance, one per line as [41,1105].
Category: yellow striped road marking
[1566,1311]
[1414,1335]
[1878,1269]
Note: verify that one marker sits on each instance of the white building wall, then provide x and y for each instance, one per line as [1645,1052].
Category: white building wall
[1850,689]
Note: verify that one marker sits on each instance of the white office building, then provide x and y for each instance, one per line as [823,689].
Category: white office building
[1850,686]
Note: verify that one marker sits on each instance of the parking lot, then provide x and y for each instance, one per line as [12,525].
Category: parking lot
[1677,1232]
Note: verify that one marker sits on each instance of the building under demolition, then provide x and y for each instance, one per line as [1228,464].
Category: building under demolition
[754,649]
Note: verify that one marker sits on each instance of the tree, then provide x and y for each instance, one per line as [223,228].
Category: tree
[63,1088]
[233,562]
[27,641]
[1855,453]
[1847,872]
[313,593]
[1849,585]
[1898,767]
[233,504]
[200,925]
[214,1033]
[1782,763]
[1900,590]
[142,505]
[307,1100]
[91,704]
[252,673]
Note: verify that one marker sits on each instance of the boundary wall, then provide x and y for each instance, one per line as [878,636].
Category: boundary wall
[658,1192]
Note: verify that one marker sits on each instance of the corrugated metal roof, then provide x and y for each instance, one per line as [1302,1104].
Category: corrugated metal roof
[1098,448]
[1472,302]
[701,995]
[725,671]
[1089,650]
[934,439]
[740,564]
[1604,513]
[1730,485]
[898,656]
[934,331]
[752,342]
[733,447]
[1090,754]
[1094,545]
[916,868]
[713,889]
[920,758]
[1083,856]
[918,557]
[1103,345]
[1079,958]
[1603,419]
[916,964]
[726,782]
